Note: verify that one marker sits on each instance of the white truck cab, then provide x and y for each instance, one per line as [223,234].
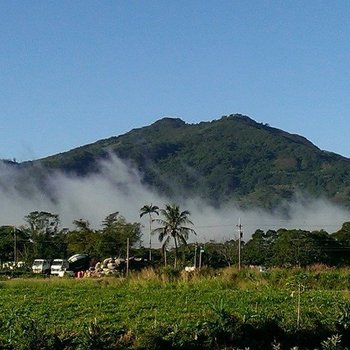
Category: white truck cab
[59,265]
[41,266]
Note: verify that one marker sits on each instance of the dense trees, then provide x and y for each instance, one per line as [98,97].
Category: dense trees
[110,241]
[257,250]
[7,243]
[42,236]
[342,237]
[114,234]
[295,248]
[220,254]
[81,239]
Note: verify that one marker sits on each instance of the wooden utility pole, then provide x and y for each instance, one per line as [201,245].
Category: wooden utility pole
[201,250]
[14,246]
[127,255]
[195,255]
[240,234]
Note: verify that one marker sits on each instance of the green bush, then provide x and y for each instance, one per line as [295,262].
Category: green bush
[169,273]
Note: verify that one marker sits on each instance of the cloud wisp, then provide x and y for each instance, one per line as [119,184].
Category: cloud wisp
[119,187]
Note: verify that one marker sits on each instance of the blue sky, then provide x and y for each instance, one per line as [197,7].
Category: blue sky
[73,72]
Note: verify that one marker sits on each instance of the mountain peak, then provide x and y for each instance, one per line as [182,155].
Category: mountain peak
[230,159]
[171,122]
[239,116]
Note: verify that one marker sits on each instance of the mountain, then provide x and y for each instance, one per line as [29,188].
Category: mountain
[233,158]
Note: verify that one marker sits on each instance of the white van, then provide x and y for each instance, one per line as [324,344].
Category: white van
[41,266]
[59,265]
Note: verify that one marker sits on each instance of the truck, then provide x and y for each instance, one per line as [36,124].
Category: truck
[41,266]
[79,262]
[59,265]
[75,263]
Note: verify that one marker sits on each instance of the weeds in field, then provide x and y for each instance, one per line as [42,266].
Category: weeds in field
[168,309]
[344,317]
[332,343]
[97,337]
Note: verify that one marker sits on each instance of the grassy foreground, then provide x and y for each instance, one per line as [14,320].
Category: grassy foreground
[172,310]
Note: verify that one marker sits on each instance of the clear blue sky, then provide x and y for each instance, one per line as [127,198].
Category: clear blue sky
[73,72]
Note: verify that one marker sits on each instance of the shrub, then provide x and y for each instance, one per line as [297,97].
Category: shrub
[169,273]
[97,337]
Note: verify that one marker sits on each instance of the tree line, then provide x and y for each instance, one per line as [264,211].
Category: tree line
[298,247]
[43,237]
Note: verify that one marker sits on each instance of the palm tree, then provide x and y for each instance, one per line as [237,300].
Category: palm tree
[149,209]
[173,226]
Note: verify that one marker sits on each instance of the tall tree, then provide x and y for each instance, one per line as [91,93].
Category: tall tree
[42,223]
[258,250]
[342,240]
[44,233]
[8,244]
[173,226]
[82,239]
[297,248]
[113,237]
[149,210]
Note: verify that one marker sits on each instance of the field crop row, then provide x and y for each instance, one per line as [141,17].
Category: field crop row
[138,304]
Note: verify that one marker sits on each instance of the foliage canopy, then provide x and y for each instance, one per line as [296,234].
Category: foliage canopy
[233,158]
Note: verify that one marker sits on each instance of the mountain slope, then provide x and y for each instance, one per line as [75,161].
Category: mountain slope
[230,159]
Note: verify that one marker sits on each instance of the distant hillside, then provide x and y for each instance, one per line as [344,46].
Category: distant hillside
[230,159]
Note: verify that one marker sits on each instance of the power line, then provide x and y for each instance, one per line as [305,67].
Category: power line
[271,225]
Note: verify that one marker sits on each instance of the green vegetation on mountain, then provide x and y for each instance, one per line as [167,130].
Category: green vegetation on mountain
[230,159]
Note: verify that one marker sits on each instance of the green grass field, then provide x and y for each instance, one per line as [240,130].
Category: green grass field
[150,301]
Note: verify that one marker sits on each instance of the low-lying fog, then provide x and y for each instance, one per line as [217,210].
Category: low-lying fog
[119,188]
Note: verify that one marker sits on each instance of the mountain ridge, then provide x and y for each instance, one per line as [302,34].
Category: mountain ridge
[231,159]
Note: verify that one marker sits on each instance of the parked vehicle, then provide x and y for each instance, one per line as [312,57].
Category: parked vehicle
[75,263]
[59,265]
[10,265]
[79,262]
[41,266]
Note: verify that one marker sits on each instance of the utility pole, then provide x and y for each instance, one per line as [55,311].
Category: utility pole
[195,255]
[14,246]
[127,256]
[201,250]
[240,234]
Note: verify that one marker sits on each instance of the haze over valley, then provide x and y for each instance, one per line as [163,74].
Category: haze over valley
[147,165]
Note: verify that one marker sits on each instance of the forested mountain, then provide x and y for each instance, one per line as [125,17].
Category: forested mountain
[230,159]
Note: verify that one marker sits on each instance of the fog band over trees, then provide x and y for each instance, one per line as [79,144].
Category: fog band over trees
[119,187]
